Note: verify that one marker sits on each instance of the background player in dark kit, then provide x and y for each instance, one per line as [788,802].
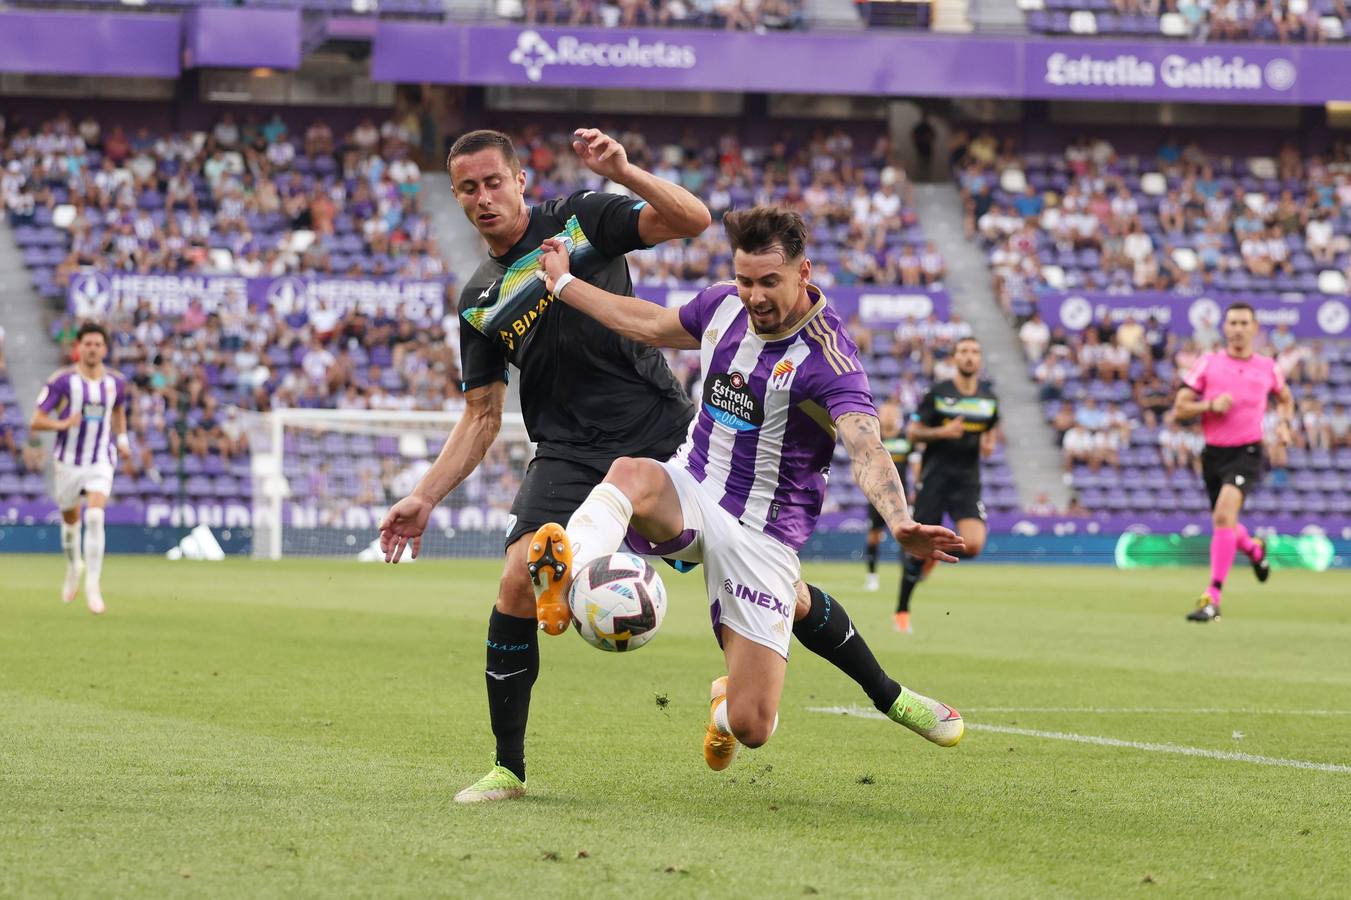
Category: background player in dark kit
[956,423]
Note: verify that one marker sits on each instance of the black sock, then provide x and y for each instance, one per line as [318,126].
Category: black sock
[826,631]
[871,556]
[513,665]
[911,570]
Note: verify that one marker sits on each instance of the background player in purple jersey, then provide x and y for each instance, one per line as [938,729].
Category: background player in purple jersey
[781,380]
[86,405]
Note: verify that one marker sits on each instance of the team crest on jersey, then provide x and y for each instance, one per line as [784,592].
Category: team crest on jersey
[782,376]
[728,401]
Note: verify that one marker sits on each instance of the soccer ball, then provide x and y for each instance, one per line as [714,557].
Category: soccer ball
[618,602]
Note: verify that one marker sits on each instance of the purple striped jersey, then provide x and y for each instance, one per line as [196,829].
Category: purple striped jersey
[765,434]
[92,440]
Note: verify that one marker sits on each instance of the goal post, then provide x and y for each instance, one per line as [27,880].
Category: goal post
[323,478]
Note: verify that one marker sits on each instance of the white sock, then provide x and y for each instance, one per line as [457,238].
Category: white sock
[93,548]
[70,542]
[720,717]
[598,526]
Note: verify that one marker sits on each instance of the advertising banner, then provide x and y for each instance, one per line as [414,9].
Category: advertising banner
[884,63]
[115,44]
[1309,315]
[95,294]
[242,38]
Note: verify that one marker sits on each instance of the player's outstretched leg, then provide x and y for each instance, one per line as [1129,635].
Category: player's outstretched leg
[912,573]
[823,626]
[550,565]
[70,546]
[596,528]
[512,665]
[744,706]
[1223,546]
[1256,551]
[93,556]
[870,583]
[931,719]
[720,745]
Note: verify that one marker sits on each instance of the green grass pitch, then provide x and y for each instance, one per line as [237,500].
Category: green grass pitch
[246,729]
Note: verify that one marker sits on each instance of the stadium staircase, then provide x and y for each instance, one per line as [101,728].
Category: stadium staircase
[460,245]
[1030,443]
[836,15]
[1000,16]
[29,351]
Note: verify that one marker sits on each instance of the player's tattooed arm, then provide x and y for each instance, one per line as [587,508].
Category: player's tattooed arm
[671,211]
[874,470]
[638,320]
[876,474]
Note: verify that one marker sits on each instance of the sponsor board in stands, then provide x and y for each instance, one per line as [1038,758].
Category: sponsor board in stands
[1315,315]
[94,294]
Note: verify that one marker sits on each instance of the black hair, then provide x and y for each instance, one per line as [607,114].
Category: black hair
[484,139]
[764,228]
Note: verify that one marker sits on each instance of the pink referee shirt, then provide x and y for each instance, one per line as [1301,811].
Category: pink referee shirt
[1249,381]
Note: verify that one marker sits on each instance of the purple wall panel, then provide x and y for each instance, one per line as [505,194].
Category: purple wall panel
[242,38]
[145,46]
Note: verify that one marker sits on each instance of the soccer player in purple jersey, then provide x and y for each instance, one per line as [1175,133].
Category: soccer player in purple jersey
[781,380]
[86,405]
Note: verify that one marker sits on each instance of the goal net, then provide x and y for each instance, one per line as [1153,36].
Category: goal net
[322,480]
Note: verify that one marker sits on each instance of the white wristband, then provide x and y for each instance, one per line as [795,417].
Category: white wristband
[563,281]
[123,444]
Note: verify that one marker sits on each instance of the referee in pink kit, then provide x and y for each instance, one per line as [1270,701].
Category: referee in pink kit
[1229,390]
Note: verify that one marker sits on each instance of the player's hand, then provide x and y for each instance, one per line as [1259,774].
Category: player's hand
[1283,434]
[1220,405]
[929,541]
[953,428]
[402,526]
[600,153]
[553,261]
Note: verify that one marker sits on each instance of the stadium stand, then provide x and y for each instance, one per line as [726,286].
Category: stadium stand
[856,201]
[248,198]
[422,9]
[1284,21]
[1184,221]
[1181,219]
[245,199]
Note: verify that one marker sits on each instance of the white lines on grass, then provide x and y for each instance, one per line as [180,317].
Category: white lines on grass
[1159,710]
[1116,742]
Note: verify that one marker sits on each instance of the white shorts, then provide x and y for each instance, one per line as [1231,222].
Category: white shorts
[95,478]
[751,578]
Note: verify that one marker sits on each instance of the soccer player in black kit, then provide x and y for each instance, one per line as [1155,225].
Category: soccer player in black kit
[588,397]
[898,445]
[956,423]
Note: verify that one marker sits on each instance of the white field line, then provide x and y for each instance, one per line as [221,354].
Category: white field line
[1160,710]
[1115,742]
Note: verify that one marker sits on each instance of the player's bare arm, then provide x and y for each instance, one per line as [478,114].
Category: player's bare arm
[635,319]
[1285,408]
[951,430]
[1188,406]
[41,421]
[671,211]
[875,473]
[989,441]
[463,451]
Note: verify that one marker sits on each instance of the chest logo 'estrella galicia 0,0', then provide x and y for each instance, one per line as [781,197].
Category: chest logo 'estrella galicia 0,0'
[730,403]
